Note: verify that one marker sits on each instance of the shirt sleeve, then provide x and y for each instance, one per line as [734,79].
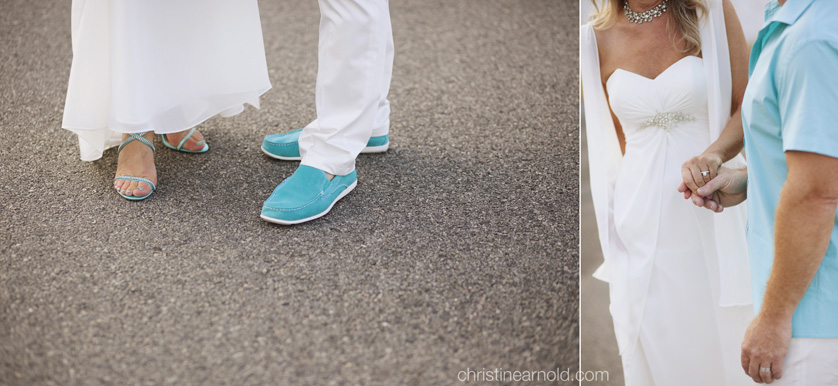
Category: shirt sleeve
[808,98]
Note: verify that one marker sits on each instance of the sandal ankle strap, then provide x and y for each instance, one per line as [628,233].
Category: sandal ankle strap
[136,137]
[186,137]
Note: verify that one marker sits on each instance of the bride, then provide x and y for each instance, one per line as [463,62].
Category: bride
[662,82]
[159,66]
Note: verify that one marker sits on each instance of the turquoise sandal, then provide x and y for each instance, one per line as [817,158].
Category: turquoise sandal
[132,138]
[182,142]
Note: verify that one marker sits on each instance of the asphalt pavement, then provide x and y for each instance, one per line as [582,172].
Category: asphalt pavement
[458,249]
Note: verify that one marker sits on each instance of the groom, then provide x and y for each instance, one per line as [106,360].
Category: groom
[355,63]
[790,116]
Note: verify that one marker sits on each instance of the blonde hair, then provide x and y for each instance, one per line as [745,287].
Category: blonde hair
[684,12]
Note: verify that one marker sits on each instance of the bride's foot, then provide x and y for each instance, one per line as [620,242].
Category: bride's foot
[193,143]
[136,159]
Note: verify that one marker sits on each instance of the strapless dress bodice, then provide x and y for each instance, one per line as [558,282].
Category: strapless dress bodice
[665,122]
[674,100]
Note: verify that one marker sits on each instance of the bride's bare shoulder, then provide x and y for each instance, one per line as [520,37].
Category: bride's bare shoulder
[610,34]
[610,50]
[606,39]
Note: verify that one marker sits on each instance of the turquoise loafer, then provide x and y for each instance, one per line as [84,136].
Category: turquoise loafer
[285,146]
[306,195]
[127,194]
[182,142]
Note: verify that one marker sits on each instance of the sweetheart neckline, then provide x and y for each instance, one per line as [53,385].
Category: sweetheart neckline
[656,77]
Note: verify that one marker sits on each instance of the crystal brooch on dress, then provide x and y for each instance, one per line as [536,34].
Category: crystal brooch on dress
[666,121]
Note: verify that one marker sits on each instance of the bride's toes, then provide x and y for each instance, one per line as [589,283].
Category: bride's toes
[195,143]
[141,189]
[135,165]
[124,186]
[129,188]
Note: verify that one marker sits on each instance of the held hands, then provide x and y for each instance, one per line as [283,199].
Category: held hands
[765,346]
[727,187]
[700,169]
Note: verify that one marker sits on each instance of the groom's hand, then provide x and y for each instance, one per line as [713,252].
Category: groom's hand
[728,188]
[765,346]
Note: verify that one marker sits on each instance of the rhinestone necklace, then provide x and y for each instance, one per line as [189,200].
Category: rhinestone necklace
[641,17]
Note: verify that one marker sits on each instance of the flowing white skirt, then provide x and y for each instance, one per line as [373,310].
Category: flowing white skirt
[160,65]
[678,332]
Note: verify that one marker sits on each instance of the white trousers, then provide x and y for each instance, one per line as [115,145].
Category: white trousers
[355,64]
[810,362]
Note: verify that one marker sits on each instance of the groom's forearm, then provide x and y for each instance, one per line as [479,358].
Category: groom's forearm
[804,221]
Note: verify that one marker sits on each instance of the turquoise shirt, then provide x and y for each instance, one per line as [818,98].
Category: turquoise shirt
[791,103]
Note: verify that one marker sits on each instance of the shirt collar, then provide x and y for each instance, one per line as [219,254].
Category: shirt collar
[786,14]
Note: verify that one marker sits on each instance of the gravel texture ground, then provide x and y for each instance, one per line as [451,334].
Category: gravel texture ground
[458,249]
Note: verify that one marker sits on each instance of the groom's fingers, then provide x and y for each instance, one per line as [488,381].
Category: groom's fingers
[753,370]
[766,375]
[777,368]
[711,187]
[707,202]
[714,206]
[745,360]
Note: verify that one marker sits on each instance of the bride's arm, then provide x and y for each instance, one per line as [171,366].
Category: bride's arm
[606,71]
[731,139]
[621,137]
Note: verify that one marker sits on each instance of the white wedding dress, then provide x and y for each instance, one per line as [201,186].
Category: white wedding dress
[160,65]
[679,275]
[683,336]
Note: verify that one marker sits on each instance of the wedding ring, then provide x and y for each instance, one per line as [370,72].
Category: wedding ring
[705,173]
[765,369]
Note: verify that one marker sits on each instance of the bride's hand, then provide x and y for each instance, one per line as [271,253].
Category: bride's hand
[691,171]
